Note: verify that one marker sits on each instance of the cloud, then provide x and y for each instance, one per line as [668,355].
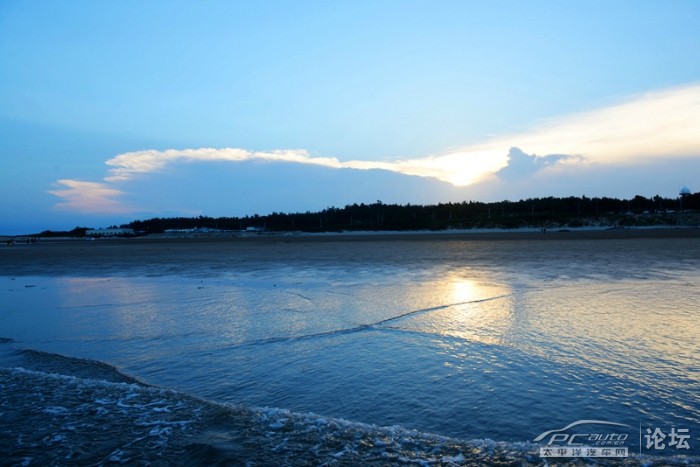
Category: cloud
[128,165]
[649,128]
[522,165]
[456,168]
[89,197]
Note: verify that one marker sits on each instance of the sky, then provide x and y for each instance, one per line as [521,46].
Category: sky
[112,111]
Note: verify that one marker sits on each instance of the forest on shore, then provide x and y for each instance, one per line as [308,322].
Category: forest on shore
[549,212]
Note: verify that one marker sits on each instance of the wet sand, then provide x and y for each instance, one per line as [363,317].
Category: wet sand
[153,255]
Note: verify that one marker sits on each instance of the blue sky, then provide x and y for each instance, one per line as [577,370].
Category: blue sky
[118,110]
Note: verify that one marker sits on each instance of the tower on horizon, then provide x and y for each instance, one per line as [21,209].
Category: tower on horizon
[685,191]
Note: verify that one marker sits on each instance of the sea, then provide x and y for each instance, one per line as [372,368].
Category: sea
[374,352]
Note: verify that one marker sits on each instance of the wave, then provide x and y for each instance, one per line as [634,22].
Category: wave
[380,325]
[58,410]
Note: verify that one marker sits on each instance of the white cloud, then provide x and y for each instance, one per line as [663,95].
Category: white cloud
[126,166]
[649,128]
[89,197]
[450,167]
[652,126]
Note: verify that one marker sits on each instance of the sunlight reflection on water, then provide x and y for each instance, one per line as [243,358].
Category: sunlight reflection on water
[475,311]
[469,346]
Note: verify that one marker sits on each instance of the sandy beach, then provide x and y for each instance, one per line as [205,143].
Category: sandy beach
[166,255]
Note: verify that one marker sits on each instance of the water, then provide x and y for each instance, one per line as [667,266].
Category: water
[464,351]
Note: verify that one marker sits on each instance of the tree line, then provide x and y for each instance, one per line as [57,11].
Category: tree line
[533,212]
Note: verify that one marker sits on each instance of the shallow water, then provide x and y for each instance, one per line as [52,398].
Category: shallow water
[466,340]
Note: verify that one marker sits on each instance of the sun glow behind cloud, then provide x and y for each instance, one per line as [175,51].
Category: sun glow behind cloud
[459,169]
[655,125]
[651,127]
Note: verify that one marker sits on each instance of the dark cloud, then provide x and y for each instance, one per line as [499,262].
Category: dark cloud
[522,165]
[664,178]
[260,187]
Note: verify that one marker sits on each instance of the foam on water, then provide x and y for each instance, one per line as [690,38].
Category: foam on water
[61,410]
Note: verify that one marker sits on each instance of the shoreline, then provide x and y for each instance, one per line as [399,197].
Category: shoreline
[207,254]
[528,233]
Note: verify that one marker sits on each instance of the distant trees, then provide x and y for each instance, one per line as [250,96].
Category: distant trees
[76,232]
[532,212]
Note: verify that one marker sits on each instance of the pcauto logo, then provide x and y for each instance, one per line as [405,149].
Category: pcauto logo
[585,438]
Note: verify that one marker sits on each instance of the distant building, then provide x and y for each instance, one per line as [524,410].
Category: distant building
[108,232]
[254,229]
